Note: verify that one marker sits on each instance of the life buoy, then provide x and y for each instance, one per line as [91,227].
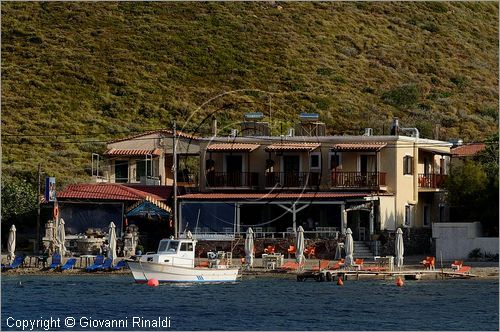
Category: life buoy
[211,255]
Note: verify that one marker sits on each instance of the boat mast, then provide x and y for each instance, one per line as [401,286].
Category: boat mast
[174,171]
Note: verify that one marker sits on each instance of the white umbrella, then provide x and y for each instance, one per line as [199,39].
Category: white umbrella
[338,250]
[349,248]
[299,247]
[399,248]
[11,244]
[61,237]
[112,241]
[249,248]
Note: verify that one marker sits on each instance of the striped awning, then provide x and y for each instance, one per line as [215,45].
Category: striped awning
[220,147]
[365,146]
[293,147]
[132,152]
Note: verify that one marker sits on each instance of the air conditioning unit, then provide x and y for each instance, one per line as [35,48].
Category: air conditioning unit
[368,132]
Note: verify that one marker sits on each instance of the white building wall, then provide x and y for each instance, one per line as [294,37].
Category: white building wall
[457,240]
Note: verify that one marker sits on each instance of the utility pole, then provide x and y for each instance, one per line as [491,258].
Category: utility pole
[37,240]
[174,171]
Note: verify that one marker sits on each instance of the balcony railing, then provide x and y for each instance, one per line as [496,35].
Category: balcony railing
[232,179]
[431,180]
[293,179]
[358,179]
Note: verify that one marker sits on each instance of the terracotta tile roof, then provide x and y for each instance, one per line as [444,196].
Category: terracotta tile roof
[468,150]
[365,146]
[132,152]
[292,146]
[273,195]
[162,191]
[104,191]
[159,131]
[232,147]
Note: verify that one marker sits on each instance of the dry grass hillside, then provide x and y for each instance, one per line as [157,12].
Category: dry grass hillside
[75,74]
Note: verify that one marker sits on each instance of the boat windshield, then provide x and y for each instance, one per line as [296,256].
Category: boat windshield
[168,246]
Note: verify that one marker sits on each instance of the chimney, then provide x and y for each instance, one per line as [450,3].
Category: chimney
[214,127]
[395,127]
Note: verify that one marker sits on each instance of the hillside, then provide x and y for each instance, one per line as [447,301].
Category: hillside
[83,73]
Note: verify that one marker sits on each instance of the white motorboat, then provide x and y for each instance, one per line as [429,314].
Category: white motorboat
[175,262]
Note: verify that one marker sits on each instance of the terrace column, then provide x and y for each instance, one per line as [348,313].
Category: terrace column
[343,218]
[372,221]
[237,217]
[294,218]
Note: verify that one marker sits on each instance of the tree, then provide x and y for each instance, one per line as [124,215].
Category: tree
[473,188]
[19,198]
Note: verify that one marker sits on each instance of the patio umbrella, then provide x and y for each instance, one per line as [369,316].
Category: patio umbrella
[349,248]
[112,241]
[11,244]
[299,251]
[338,251]
[399,248]
[249,248]
[61,237]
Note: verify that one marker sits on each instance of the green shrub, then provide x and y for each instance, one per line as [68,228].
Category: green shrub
[402,96]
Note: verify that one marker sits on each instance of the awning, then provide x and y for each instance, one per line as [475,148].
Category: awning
[132,152]
[272,196]
[434,150]
[365,146]
[293,147]
[148,209]
[221,147]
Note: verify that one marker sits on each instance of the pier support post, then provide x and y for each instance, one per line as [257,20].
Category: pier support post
[343,218]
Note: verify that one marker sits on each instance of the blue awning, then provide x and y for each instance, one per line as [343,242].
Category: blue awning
[148,209]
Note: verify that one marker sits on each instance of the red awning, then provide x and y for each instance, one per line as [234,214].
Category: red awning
[108,191]
[293,147]
[220,147]
[132,152]
[365,146]
[274,196]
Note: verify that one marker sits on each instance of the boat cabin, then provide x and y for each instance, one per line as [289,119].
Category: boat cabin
[174,252]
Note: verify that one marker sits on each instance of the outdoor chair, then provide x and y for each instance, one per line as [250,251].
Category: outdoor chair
[323,264]
[18,261]
[291,250]
[310,252]
[337,265]
[269,250]
[69,264]
[120,265]
[464,269]
[456,265]
[56,261]
[358,262]
[429,262]
[98,261]
[290,266]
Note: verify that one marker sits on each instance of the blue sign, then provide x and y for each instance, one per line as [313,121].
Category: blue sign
[50,189]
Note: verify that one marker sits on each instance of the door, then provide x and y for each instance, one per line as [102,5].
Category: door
[121,171]
[368,168]
[234,170]
[291,167]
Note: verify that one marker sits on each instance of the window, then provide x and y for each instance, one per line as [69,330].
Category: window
[186,246]
[140,169]
[408,165]
[408,215]
[335,160]
[121,171]
[427,216]
[315,161]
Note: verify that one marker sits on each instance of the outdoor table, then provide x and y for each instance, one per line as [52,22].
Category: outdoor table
[40,260]
[87,257]
[387,261]
[272,260]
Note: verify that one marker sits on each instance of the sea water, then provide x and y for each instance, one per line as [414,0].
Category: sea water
[115,302]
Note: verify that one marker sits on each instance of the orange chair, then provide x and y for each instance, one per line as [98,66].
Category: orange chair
[291,250]
[338,264]
[456,265]
[321,266]
[310,252]
[290,266]
[203,264]
[429,262]
[464,269]
[269,250]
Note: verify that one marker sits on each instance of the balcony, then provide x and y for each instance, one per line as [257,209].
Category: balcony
[292,179]
[431,181]
[371,180]
[232,179]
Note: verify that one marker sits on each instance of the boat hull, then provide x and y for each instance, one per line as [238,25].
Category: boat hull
[144,271]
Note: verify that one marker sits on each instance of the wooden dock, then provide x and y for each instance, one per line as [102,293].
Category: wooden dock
[333,275]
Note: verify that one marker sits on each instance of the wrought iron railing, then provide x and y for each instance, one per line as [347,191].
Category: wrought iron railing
[431,180]
[232,179]
[293,179]
[357,179]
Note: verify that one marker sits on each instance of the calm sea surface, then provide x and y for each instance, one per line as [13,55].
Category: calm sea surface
[253,304]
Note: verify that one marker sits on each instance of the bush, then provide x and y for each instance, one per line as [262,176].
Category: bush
[475,253]
[403,96]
